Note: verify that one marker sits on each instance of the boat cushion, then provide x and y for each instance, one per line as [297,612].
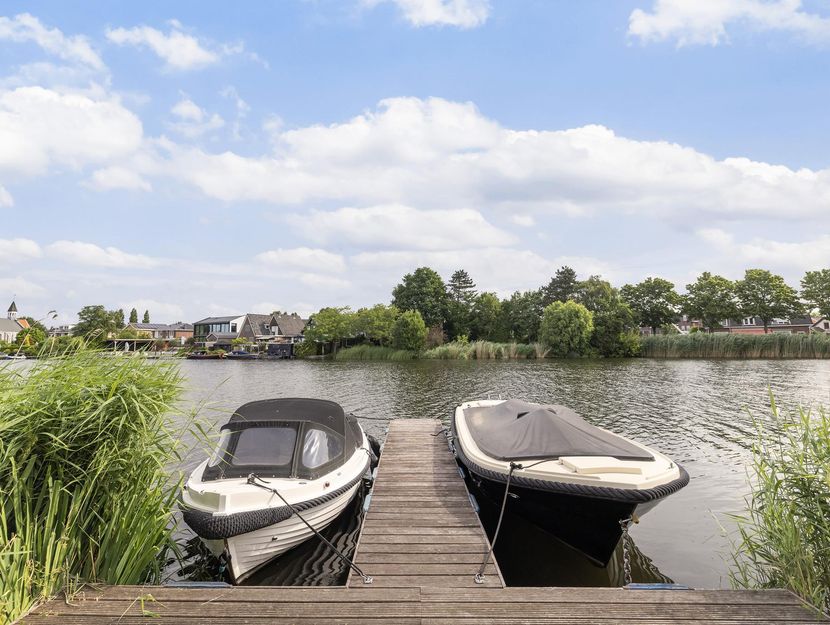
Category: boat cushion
[519,430]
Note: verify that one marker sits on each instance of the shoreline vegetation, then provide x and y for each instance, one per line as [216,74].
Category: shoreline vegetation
[784,537]
[85,493]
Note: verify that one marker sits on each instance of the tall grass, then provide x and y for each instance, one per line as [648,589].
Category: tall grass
[729,345]
[784,538]
[85,493]
[374,352]
[485,350]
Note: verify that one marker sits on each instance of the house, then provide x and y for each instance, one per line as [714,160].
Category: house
[10,327]
[216,326]
[173,333]
[754,325]
[258,330]
[62,330]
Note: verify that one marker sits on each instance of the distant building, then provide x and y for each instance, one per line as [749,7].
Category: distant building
[172,332]
[256,329]
[754,325]
[10,327]
[65,330]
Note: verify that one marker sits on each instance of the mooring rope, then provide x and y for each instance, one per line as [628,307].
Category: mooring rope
[252,480]
[479,577]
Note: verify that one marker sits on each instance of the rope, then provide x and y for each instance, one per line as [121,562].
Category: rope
[479,577]
[252,480]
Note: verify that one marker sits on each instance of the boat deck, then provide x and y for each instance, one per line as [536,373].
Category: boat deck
[422,543]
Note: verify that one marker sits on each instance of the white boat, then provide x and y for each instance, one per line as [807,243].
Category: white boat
[577,481]
[279,462]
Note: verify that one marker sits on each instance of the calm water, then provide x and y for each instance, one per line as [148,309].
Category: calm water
[697,412]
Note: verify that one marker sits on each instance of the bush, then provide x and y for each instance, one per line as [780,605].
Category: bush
[566,328]
[785,535]
[409,331]
[305,349]
[374,352]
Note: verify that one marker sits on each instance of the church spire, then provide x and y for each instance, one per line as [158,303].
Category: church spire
[12,314]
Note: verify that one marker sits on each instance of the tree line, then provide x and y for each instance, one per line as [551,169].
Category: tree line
[568,315]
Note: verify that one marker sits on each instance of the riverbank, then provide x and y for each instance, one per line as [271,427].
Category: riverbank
[774,345]
[475,350]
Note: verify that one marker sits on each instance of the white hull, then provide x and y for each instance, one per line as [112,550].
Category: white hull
[249,552]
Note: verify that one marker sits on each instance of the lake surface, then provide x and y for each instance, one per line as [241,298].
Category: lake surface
[697,412]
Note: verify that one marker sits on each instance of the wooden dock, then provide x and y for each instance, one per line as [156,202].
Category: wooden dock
[422,543]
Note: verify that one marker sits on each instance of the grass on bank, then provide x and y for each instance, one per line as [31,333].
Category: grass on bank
[784,538]
[729,345]
[477,350]
[85,494]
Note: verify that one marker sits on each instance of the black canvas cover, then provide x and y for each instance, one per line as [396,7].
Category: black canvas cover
[519,430]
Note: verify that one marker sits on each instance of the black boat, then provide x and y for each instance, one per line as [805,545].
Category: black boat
[579,482]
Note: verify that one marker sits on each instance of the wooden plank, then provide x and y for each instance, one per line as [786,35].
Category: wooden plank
[425,581]
[248,594]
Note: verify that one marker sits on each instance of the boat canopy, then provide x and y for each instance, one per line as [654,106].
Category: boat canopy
[519,430]
[302,438]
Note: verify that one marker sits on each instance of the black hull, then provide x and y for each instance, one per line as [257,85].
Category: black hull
[591,526]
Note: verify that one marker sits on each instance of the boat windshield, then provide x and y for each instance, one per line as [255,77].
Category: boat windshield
[264,449]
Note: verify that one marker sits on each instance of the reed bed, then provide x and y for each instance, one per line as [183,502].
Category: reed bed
[85,491]
[374,352]
[485,350]
[728,345]
[784,538]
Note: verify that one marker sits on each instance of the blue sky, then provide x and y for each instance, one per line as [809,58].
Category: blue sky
[197,158]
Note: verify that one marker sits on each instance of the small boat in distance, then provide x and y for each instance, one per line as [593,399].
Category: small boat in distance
[576,481]
[276,458]
[241,355]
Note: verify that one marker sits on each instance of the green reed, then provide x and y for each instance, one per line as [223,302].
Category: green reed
[86,494]
[729,345]
[784,537]
[374,352]
[485,350]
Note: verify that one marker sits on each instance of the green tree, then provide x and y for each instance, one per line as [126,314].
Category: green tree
[521,316]
[118,318]
[462,293]
[815,289]
[486,318]
[330,326]
[654,302]
[710,298]
[409,331]
[376,323]
[31,336]
[615,330]
[95,323]
[561,287]
[146,317]
[423,290]
[34,323]
[765,295]
[133,316]
[566,328]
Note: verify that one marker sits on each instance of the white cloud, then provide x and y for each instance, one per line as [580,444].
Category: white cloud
[6,198]
[194,121]
[460,13]
[27,28]
[40,127]
[398,226]
[18,250]
[317,280]
[438,154]
[266,307]
[493,269]
[179,50]
[160,312]
[304,259]
[761,252]
[705,22]
[525,221]
[21,287]
[90,254]
[116,177]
